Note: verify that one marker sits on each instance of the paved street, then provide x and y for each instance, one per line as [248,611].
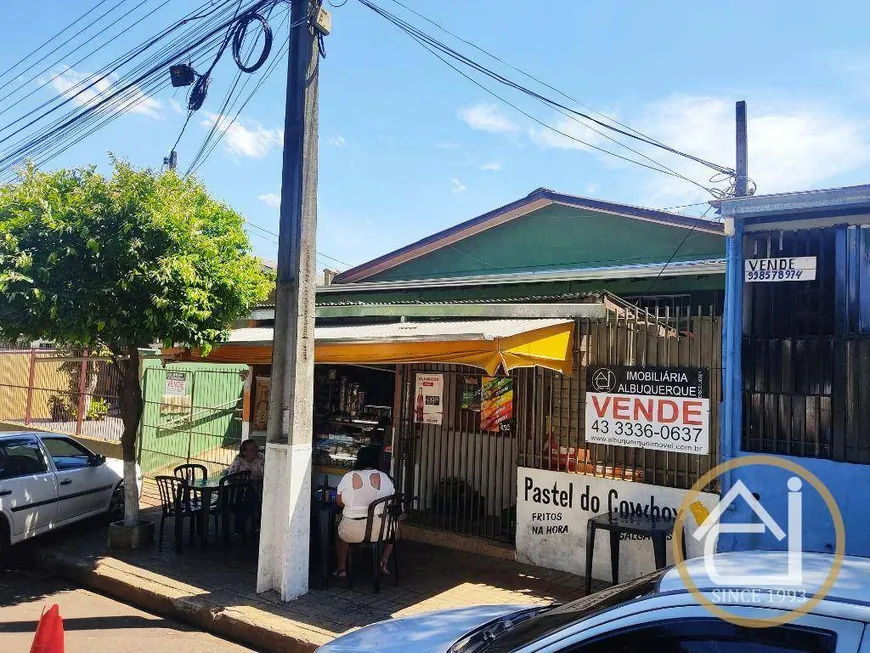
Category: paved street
[92,622]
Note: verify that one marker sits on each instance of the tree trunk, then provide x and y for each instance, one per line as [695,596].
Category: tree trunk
[131,412]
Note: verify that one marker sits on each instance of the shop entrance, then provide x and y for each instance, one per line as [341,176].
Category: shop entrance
[459,463]
[353,408]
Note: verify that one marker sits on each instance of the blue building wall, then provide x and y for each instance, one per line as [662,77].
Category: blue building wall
[848,483]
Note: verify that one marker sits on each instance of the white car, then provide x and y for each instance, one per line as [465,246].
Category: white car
[653,615]
[48,480]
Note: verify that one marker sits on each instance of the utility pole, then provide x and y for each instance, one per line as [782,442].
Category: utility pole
[284,536]
[742,166]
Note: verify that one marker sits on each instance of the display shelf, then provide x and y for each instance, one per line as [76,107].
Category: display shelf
[362,423]
[326,469]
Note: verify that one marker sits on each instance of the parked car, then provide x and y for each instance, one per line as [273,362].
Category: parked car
[652,614]
[49,480]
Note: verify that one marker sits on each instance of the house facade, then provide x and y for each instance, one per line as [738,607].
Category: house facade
[797,359]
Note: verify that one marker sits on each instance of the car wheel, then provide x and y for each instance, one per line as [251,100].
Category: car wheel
[116,505]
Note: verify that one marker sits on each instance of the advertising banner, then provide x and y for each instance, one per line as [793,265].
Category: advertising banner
[554,507]
[429,406]
[664,408]
[496,404]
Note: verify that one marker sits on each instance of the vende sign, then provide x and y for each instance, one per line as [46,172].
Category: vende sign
[650,408]
[792,268]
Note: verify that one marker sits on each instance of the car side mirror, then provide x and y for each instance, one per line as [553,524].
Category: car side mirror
[97,460]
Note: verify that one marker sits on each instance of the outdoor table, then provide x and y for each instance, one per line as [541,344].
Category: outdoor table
[656,528]
[205,487]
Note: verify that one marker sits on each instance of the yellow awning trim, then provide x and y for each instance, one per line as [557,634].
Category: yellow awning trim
[550,347]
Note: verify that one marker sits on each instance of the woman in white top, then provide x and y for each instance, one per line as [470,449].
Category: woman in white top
[356,491]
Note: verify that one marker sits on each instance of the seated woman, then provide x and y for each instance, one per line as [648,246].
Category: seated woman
[356,491]
[249,460]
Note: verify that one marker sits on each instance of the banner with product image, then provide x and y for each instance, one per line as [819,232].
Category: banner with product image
[428,406]
[496,404]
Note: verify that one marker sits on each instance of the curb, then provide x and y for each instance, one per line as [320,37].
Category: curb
[245,624]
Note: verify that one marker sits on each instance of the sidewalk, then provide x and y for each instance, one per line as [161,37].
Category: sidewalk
[215,589]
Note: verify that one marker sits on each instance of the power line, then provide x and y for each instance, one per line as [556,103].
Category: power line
[52,38]
[422,36]
[676,251]
[657,167]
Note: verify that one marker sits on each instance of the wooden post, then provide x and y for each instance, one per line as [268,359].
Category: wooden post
[83,387]
[31,379]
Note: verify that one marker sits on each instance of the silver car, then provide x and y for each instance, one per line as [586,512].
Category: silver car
[50,480]
[656,614]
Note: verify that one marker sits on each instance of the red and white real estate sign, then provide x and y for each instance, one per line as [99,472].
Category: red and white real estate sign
[650,408]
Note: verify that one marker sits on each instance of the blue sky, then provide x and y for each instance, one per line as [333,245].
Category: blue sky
[408,147]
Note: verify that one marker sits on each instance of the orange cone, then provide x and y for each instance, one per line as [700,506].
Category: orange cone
[49,632]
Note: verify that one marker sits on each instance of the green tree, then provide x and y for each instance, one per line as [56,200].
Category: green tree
[122,263]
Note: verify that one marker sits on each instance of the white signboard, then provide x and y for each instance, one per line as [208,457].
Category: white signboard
[649,408]
[553,508]
[429,406]
[794,268]
[176,384]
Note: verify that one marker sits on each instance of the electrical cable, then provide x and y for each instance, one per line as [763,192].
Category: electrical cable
[39,47]
[519,70]
[657,168]
[404,25]
[126,94]
[676,251]
[239,37]
[65,68]
[71,38]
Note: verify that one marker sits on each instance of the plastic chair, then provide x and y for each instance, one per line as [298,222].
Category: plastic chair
[232,499]
[173,491]
[389,509]
[191,472]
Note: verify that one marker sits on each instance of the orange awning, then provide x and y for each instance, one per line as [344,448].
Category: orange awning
[486,344]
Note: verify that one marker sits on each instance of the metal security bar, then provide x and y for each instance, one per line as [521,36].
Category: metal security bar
[806,348]
[553,433]
[462,478]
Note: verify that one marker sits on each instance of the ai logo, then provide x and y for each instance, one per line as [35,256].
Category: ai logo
[713,527]
[604,380]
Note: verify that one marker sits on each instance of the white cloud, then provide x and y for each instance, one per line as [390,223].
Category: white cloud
[448,145]
[487,117]
[575,135]
[791,147]
[337,141]
[176,106]
[72,84]
[491,166]
[458,186]
[271,199]
[245,137]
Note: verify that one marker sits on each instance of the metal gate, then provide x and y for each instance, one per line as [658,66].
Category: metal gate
[192,414]
[461,478]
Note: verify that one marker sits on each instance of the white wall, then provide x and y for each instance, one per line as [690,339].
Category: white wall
[565,547]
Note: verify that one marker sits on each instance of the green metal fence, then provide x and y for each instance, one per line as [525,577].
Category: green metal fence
[192,413]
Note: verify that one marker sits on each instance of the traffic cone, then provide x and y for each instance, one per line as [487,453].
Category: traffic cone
[49,632]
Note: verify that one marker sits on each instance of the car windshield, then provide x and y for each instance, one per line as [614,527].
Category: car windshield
[553,619]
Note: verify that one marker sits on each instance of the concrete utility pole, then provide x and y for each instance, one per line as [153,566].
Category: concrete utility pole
[283,561]
[742,166]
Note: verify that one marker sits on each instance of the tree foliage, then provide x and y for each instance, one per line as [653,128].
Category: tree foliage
[121,263]
[127,261]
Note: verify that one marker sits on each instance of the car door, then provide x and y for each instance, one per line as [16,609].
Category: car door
[83,487]
[28,486]
[694,630]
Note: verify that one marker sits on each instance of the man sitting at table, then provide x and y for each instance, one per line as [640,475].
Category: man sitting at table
[356,491]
